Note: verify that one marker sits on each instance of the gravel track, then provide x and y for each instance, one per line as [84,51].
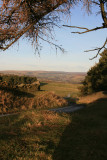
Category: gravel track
[68,109]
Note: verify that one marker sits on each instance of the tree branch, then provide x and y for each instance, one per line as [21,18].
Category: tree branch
[24,25]
[98,49]
[103,13]
[56,46]
[86,29]
[18,36]
[96,3]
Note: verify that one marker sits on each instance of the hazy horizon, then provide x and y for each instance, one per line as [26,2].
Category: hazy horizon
[37,71]
[21,56]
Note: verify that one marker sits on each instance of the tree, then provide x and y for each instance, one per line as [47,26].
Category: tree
[96,79]
[28,17]
[33,18]
[102,4]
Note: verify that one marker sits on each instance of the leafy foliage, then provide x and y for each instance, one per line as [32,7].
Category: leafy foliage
[96,79]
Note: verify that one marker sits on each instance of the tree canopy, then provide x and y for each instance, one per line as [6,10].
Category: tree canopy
[16,80]
[33,18]
[28,17]
[96,79]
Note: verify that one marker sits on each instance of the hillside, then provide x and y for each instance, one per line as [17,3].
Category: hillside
[45,135]
[70,77]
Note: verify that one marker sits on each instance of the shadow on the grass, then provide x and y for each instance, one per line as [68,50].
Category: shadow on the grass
[43,83]
[17,92]
[85,137]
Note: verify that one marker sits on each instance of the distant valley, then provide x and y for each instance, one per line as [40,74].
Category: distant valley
[58,76]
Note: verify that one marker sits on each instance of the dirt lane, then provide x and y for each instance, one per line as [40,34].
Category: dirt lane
[68,109]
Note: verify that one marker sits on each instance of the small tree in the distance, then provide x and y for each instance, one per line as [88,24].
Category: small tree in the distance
[96,79]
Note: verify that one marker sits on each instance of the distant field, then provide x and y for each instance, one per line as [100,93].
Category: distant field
[60,88]
[51,95]
[71,77]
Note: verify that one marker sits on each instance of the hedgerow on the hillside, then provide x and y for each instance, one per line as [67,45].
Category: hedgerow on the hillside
[16,80]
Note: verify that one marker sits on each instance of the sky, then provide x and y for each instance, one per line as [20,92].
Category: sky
[22,56]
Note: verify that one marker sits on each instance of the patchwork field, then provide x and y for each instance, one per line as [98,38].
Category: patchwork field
[70,77]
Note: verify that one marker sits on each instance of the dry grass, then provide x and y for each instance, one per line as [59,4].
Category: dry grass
[91,98]
[51,95]
[49,100]
[12,103]
[32,135]
[45,135]
[39,119]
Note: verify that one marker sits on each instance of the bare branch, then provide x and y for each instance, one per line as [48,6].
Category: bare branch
[33,18]
[86,29]
[56,46]
[18,36]
[98,50]
[24,16]
[101,4]
[103,13]
[96,3]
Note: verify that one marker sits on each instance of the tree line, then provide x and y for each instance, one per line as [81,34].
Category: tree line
[16,80]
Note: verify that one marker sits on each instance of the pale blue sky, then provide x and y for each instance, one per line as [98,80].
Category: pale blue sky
[22,57]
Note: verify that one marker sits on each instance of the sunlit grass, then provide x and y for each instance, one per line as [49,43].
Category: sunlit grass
[61,89]
[31,135]
[45,135]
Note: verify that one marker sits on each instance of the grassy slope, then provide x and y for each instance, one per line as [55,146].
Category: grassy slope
[60,88]
[13,101]
[31,135]
[43,135]
[86,136]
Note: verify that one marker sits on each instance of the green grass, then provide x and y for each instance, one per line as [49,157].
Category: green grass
[60,88]
[44,135]
[31,135]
